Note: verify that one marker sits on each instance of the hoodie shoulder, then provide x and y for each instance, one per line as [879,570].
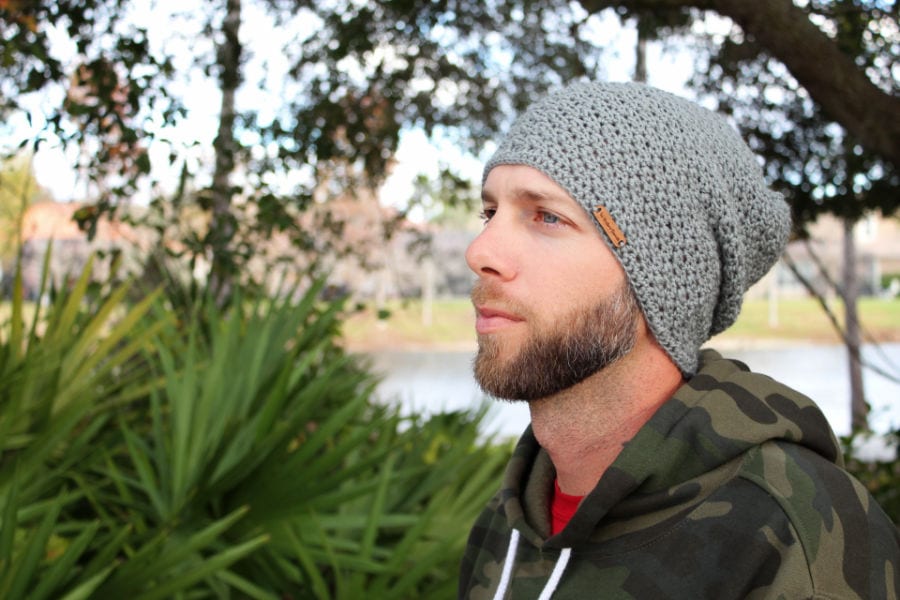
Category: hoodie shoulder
[849,545]
[751,409]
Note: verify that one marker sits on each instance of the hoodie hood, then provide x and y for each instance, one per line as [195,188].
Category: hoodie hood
[694,443]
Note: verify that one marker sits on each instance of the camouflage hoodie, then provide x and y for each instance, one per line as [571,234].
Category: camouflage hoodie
[733,489]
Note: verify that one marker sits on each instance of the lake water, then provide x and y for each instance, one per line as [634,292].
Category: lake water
[431,382]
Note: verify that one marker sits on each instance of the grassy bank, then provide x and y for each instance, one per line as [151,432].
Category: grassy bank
[451,326]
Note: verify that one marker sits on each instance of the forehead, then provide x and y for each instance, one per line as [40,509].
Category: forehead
[521,182]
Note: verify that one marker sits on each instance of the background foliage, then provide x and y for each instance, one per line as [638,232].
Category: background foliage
[812,83]
[149,452]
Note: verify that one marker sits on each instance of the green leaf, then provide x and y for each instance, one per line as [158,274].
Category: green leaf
[203,569]
[245,587]
[156,558]
[105,560]
[8,526]
[138,451]
[86,589]
[25,570]
[63,566]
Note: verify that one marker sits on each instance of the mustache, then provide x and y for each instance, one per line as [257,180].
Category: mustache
[488,294]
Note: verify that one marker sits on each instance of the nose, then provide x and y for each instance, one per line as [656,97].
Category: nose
[489,255]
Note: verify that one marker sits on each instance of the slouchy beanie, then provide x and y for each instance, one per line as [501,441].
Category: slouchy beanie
[677,195]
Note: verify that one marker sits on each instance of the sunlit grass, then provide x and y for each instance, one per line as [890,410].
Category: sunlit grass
[804,319]
[452,323]
[404,325]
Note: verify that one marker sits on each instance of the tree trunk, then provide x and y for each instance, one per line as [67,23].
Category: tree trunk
[831,77]
[858,407]
[772,295]
[640,55]
[222,225]
[428,292]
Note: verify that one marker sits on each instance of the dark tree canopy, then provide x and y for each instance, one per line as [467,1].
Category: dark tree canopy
[817,162]
[460,68]
[830,74]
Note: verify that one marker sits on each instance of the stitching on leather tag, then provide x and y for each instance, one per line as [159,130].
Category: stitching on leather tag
[609,226]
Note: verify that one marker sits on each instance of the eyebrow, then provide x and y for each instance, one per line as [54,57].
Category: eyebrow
[522,193]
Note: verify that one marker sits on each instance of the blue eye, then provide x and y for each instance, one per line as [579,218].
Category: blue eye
[549,218]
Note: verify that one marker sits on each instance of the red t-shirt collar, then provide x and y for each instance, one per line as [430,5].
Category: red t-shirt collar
[562,508]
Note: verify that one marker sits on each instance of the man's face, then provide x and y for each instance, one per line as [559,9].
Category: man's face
[552,302]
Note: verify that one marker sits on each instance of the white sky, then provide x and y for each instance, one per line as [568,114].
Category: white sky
[416,154]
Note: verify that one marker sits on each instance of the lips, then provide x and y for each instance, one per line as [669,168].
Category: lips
[490,320]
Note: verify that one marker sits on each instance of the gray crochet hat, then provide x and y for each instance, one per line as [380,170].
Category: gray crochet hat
[679,197]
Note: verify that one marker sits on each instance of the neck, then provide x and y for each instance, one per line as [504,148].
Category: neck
[584,427]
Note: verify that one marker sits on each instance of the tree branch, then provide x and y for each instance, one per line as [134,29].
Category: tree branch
[833,80]
[832,318]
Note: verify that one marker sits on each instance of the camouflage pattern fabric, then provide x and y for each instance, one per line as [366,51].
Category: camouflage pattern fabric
[733,489]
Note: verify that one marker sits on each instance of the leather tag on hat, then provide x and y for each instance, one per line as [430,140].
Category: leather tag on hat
[609,226]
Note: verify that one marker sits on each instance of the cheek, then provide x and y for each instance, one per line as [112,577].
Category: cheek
[591,280]
[571,273]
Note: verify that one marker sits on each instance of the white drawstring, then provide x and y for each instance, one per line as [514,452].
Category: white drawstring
[508,565]
[556,575]
[506,575]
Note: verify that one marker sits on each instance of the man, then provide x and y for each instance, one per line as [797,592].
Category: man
[622,227]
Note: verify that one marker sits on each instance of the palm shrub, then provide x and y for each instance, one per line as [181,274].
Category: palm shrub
[63,374]
[229,453]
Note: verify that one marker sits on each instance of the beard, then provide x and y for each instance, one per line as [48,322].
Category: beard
[554,358]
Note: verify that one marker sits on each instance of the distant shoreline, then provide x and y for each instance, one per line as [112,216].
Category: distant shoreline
[725,343]
[796,323]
